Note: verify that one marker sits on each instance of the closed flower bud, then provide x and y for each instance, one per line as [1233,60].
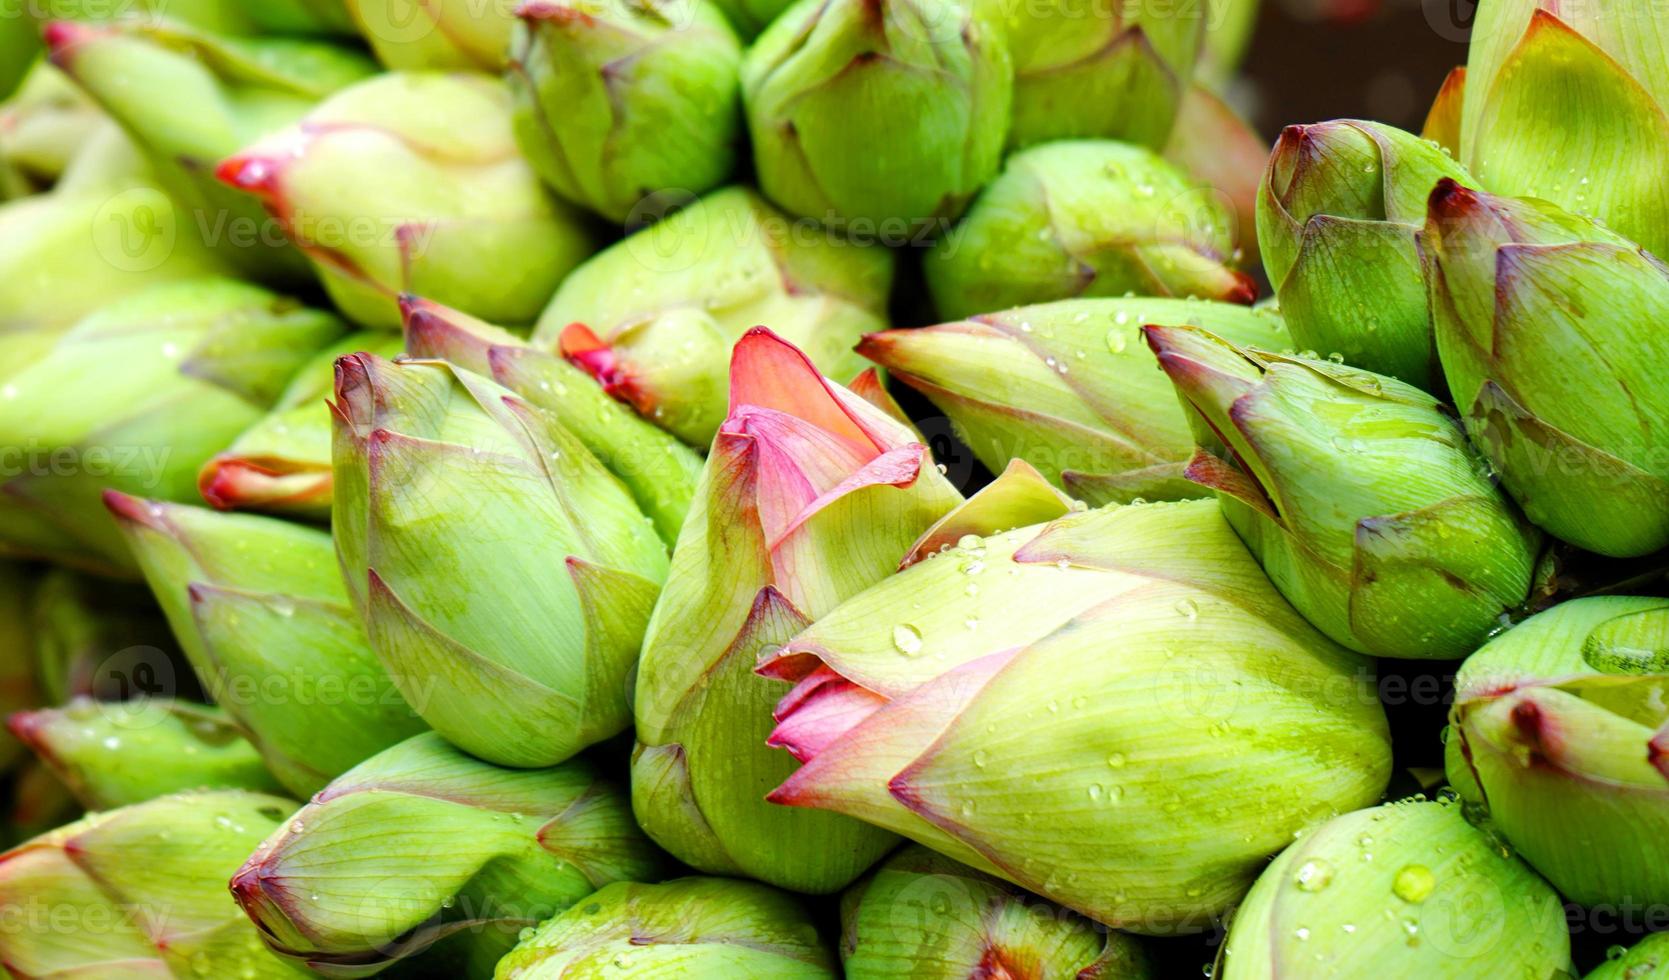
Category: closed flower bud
[654,317]
[1408,889]
[1069,387]
[1087,218]
[425,850]
[810,494]
[922,915]
[619,102]
[412,182]
[889,111]
[505,576]
[449,35]
[1538,314]
[1358,494]
[688,927]
[1338,210]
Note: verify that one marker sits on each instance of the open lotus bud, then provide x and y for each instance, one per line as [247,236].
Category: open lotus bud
[1087,218]
[505,576]
[1566,103]
[114,754]
[920,705]
[1338,211]
[424,845]
[100,639]
[411,182]
[281,464]
[660,471]
[1647,959]
[1537,313]
[451,35]
[259,607]
[1069,387]
[1563,732]
[43,126]
[223,94]
[136,397]
[810,495]
[619,102]
[140,892]
[1408,889]
[884,112]
[1358,494]
[922,915]
[689,927]
[654,317]
[1104,70]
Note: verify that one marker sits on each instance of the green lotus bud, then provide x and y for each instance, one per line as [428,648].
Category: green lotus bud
[829,84]
[247,17]
[1086,218]
[259,607]
[1407,889]
[920,914]
[660,472]
[1069,387]
[1647,959]
[1100,70]
[1561,724]
[619,102]
[136,397]
[810,494]
[454,497]
[452,35]
[690,927]
[920,705]
[654,317]
[118,754]
[1537,314]
[1338,211]
[140,892]
[1358,494]
[281,464]
[411,182]
[43,126]
[1566,103]
[423,844]
[223,93]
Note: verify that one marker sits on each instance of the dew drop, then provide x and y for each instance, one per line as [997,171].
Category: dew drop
[906,639]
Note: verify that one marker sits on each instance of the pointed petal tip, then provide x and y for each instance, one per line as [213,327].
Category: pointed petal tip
[134,510]
[1450,200]
[256,174]
[63,36]
[1242,290]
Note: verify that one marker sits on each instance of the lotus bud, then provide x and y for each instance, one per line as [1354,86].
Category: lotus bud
[660,471]
[1647,959]
[619,102]
[1358,494]
[654,317]
[423,845]
[100,639]
[450,35]
[1069,387]
[919,705]
[1566,103]
[1338,211]
[811,493]
[1104,70]
[1086,218]
[411,182]
[1407,889]
[118,754]
[1563,733]
[920,914]
[689,927]
[242,17]
[143,889]
[223,93]
[1537,313]
[44,125]
[281,464]
[828,83]
[136,397]
[259,607]
[454,499]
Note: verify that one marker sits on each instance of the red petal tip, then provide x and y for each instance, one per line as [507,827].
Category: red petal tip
[133,509]
[257,175]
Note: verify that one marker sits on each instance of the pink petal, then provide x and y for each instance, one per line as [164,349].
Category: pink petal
[819,710]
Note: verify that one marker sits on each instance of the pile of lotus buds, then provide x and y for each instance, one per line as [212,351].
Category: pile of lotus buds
[747,489]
